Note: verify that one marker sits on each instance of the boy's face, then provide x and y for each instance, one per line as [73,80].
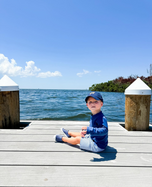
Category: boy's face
[94,105]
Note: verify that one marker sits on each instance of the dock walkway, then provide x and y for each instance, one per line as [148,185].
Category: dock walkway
[30,157]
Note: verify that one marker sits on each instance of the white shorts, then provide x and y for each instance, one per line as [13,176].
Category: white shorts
[86,143]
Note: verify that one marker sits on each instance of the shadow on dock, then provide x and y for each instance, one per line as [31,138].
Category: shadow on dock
[108,154]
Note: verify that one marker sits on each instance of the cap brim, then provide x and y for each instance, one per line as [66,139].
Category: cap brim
[96,98]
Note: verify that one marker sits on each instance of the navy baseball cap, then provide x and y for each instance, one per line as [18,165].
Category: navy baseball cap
[95,95]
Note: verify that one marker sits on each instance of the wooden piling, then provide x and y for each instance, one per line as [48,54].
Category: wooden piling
[137,106]
[9,104]
[137,110]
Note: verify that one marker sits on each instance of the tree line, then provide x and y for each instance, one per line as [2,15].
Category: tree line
[119,84]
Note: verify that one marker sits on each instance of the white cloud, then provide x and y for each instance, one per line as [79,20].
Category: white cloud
[30,69]
[11,69]
[97,71]
[86,72]
[83,73]
[49,74]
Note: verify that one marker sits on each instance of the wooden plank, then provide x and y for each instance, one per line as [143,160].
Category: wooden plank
[73,158]
[51,146]
[78,123]
[75,176]
[21,137]
[130,139]
[55,131]
[50,137]
[75,129]
[61,122]
[49,127]
[70,123]
[78,128]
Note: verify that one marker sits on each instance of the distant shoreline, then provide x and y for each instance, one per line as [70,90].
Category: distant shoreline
[119,84]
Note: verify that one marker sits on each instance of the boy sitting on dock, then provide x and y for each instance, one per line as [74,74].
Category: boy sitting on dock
[93,138]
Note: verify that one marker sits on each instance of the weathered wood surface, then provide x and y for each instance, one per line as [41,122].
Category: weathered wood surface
[50,138]
[30,157]
[9,109]
[75,176]
[87,159]
[137,110]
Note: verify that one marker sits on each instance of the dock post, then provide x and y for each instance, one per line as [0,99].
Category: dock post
[9,103]
[137,106]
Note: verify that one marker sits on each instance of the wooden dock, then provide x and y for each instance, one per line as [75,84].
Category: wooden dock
[30,157]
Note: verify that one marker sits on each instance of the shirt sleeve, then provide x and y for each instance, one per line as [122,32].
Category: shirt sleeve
[101,131]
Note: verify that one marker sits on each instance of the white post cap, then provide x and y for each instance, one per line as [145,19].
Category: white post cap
[7,84]
[138,87]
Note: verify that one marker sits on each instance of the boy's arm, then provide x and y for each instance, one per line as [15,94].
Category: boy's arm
[103,130]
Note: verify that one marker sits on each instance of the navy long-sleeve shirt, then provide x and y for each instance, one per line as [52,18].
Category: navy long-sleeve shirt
[98,129]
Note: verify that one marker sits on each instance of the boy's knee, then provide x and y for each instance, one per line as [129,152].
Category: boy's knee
[77,139]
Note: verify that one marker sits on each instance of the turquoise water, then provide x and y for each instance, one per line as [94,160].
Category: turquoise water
[39,104]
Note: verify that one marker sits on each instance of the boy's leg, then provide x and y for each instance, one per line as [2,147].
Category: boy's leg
[74,134]
[70,134]
[74,141]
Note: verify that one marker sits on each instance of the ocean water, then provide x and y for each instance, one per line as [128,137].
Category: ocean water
[41,104]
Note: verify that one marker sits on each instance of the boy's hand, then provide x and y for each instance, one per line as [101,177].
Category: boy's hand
[84,131]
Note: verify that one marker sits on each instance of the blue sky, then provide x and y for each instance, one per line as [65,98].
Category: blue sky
[72,44]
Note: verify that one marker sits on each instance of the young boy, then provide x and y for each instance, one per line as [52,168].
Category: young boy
[95,137]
